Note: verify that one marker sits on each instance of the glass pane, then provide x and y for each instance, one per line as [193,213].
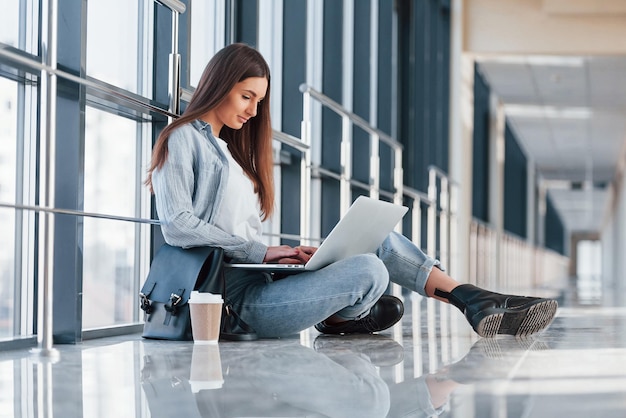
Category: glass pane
[108,387]
[109,245]
[113,50]
[207,39]
[18,24]
[9,23]
[8,156]
[6,389]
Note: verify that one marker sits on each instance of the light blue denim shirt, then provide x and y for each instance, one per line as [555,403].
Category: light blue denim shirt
[189,189]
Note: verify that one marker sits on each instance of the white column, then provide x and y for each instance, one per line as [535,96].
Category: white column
[542,196]
[270,23]
[374,63]
[531,201]
[347,94]
[461,138]
[496,181]
[314,60]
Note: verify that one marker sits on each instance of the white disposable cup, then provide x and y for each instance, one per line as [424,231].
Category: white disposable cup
[206,316]
[206,368]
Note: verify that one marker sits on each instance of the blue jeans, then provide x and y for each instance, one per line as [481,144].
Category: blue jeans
[348,288]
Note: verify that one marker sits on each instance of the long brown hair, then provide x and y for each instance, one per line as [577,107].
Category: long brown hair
[251,146]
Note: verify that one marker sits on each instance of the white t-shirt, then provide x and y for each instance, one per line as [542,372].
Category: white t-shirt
[240,212]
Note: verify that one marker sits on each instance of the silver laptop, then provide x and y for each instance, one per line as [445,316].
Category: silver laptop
[361,230]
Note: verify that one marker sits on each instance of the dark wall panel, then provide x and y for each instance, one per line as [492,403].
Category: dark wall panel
[246,17]
[362,96]
[515,185]
[385,93]
[294,74]
[423,87]
[69,177]
[480,151]
[555,232]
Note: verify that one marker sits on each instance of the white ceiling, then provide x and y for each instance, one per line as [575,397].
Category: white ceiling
[569,114]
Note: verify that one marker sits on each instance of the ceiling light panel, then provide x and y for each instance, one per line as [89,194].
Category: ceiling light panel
[561,86]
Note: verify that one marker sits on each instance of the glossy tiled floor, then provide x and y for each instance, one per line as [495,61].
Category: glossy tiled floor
[430,364]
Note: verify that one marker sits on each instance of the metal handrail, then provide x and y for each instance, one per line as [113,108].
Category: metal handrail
[320,171]
[441,194]
[442,174]
[280,136]
[292,141]
[417,195]
[38,208]
[348,119]
[36,65]
[440,200]
[356,119]
[442,197]
[174,5]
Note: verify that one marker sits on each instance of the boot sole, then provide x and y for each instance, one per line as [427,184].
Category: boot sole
[519,322]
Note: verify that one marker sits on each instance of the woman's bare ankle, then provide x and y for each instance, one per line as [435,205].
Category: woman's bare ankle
[439,280]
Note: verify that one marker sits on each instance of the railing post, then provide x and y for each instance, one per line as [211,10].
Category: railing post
[174,71]
[374,166]
[454,232]
[416,222]
[444,220]
[398,176]
[47,192]
[345,198]
[305,169]
[432,213]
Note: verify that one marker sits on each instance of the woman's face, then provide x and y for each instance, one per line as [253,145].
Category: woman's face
[239,105]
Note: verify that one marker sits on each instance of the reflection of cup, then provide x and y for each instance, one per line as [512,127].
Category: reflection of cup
[206,368]
[206,315]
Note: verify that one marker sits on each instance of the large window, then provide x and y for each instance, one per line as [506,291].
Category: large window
[17,167]
[7,369]
[116,42]
[116,151]
[112,183]
[104,132]
[18,29]
[105,389]
[8,135]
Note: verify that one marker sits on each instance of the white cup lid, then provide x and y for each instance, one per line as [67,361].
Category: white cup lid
[198,385]
[202,297]
[205,342]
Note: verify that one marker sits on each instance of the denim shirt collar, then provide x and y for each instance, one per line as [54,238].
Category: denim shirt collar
[201,125]
[204,129]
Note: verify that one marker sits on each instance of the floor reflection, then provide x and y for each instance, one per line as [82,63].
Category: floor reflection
[338,377]
[430,364]
[275,378]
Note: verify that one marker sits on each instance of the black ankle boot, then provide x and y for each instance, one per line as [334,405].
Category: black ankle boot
[492,313]
[387,311]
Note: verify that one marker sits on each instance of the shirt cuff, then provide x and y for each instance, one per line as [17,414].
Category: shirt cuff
[257,252]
